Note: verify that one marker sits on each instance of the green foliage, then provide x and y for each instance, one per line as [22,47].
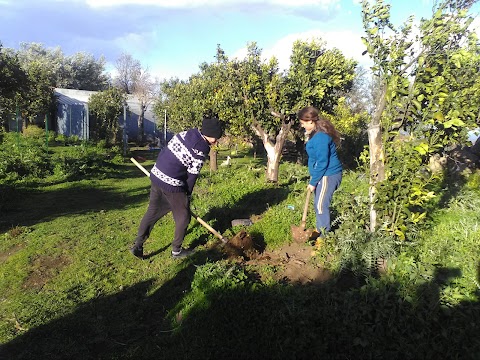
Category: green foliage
[210,281]
[23,157]
[67,140]
[26,158]
[428,94]
[13,81]
[405,197]
[352,127]
[34,131]
[39,98]
[78,71]
[107,106]
[66,270]
[453,240]
[362,251]
[75,162]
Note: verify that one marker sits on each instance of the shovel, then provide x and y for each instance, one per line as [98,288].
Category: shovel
[299,234]
[208,227]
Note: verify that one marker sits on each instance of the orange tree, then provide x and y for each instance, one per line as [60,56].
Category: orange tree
[254,97]
[429,92]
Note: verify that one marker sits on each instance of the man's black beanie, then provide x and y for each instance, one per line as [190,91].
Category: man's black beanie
[212,128]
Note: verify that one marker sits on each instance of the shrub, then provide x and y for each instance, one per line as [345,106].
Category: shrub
[24,157]
[33,131]
[75,162]
[67,140]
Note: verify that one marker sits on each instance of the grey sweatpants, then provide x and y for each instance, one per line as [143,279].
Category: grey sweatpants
[161,203]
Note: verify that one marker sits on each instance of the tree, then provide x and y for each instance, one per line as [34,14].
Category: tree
[107,107]
[13,81]
[269,100]
[84,73]
[46,69]
[187,102]
[128,70]
[80,71]
[254,98]
[39,99]
[426,82]
[178,100]
[133,79]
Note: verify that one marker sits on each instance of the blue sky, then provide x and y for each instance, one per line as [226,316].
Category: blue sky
[173,37]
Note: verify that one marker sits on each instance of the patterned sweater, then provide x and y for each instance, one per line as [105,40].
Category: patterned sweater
[179,163]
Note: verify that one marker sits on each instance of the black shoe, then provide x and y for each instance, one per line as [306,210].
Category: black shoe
[137,251]
[181,253]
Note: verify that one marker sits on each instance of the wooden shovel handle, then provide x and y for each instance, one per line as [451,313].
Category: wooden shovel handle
[145,171]
[305,209]
[208,227]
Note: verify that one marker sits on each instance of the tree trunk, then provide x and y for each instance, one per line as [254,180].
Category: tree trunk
[213,160]
[140,125]
[274,150]
[273,162]
[377,164]
[377,168]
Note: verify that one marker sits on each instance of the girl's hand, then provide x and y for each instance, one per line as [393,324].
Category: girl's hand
[310,188]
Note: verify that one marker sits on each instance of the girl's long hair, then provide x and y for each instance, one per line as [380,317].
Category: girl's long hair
[321,124]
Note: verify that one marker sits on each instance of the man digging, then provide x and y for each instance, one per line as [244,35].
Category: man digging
[172,180]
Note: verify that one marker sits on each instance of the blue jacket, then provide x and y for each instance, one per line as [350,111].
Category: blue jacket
[322,157]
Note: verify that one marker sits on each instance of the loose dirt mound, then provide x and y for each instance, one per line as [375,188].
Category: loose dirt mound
[293,261]
[240,245]
[295,264]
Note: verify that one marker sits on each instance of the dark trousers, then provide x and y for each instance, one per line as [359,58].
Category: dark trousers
[161,203]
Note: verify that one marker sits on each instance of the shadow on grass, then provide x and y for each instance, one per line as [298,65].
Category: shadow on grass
[254,203]
[30,206]
[322,321]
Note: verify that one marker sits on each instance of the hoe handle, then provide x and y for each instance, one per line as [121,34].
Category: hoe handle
[305,209]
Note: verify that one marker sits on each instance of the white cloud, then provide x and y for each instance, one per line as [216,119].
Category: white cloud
[197,3]
[135,43]
[348,42]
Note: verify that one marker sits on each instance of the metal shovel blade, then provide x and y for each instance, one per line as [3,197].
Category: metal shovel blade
[300,234]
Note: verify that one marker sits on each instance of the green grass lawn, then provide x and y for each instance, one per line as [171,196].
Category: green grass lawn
[69,288]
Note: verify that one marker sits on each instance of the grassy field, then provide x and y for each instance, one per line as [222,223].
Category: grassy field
[69,288]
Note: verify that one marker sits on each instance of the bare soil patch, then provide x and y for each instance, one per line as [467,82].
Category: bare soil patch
[4,255]
[293,261]
[295,264]
[44,268]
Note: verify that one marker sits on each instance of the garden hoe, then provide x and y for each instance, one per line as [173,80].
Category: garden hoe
[299,234]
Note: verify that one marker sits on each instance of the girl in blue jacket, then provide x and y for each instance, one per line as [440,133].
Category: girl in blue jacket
[323,164]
